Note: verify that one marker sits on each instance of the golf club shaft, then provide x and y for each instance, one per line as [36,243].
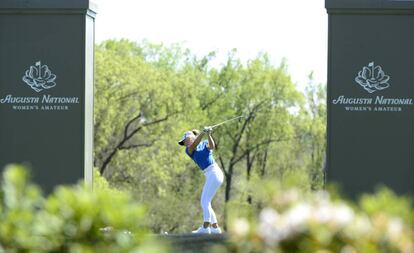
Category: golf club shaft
[226,121]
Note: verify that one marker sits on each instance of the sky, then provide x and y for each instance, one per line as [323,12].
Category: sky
[294,30]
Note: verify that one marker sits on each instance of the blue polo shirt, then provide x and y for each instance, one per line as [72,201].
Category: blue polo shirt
[201,155]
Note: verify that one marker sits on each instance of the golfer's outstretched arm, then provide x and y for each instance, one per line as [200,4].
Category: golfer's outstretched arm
[195,143]
[211,143]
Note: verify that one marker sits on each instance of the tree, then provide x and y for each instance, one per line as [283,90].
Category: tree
[134,98]
[148,95]
[263,95]
[312,127]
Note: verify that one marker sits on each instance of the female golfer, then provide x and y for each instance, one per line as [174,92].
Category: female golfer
[202,154]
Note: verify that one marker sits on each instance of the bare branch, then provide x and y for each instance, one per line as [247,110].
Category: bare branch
[136,146]
[222,166]
[257,146]
[156,121]
[128,136]
[128,95]
[208,104]
[129,123]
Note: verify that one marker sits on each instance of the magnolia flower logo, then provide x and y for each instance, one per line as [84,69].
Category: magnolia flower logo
[372,78]
[39,77]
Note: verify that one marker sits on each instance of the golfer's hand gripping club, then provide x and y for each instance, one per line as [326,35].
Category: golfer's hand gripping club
[207,129]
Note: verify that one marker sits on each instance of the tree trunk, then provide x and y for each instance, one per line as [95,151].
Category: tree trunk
[228,184]
[228,179]
[264,163]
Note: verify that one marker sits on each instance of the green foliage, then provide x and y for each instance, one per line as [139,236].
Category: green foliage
[100,184]
[294,221]
[19,203]
[386,202]
[281,219]
[148,95]
[71,219]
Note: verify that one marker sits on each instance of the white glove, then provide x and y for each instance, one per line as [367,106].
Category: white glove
[207,129]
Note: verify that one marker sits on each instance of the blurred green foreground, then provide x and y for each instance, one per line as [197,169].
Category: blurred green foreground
[84,219]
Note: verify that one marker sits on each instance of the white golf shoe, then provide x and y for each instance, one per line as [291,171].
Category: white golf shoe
[215,230]
[202,230]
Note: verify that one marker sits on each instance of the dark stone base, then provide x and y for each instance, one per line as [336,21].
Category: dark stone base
[197,243]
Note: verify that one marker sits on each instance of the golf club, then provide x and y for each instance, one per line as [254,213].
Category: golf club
[221,123]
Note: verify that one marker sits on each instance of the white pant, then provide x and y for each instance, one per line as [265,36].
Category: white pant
[214,178]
